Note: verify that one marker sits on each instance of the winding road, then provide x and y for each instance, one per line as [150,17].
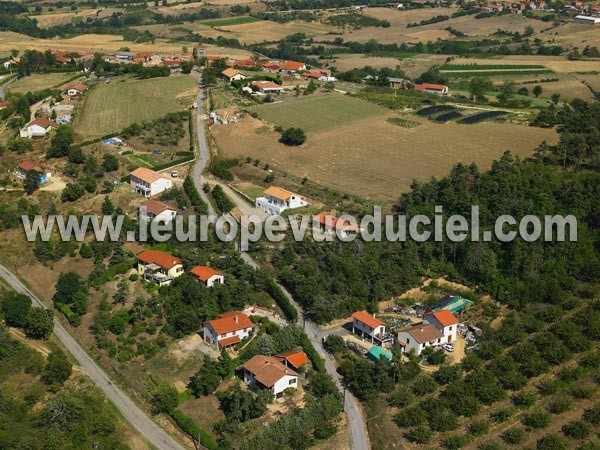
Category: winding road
[356,424]
[155,435]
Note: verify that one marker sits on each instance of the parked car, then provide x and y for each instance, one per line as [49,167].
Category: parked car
[448,347]
[174,174]
[157,152]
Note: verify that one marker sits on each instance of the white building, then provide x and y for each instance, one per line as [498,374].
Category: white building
[159,267]
[233,75]
[208,275]
[270,373]
[158,211]
[367,326]
[275,200]
[148,182]
[332,225]
[37,128]
[227,329]
[418,337]
[445,322]
[44,171]
[587,20]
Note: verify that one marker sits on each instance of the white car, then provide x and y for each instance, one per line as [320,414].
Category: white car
[448,347]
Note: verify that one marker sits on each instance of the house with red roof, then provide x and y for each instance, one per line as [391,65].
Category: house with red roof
[431,88]
[369,327]
[293,66]
[74,89]
[294,359]
[330,224]
[444,321]
[159,267]
[148,183]
[227,329]
[26,166]
[159,211]
[266,87]
[208,275]
[37,128]
[270,373]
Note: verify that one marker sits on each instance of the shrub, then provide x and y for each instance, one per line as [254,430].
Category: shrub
[190,427]
[592,415]
[559,405]
[577,429]
[552,442]
[419,435]
[514,435]
[455,441]
[133,277]
[536,420]
[293,137]
[479,427]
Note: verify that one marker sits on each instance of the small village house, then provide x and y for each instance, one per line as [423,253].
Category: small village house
[270,373]
[418,337]
[275,200]
[293,66]
[431,88]
[37,128]
[148,183]
[587,20]
[295,359]
[26,166]
[330,224]
[159,267]
[227,329]
[208,275]
[233,75]
[14,61]
[74,89]
[370,328]
[266,87]
[159,211]
[445,322]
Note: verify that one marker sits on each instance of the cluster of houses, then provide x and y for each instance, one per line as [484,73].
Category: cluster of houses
[586,12]
[438,328]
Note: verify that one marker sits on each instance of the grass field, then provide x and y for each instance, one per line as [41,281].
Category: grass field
[111,107]
[357,151]
[38,81]
[493,73]
[230,21]
[316,114]
[479,67]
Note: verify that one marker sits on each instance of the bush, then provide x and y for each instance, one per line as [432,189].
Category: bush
[577,429]
[133,277]
[293,137]
[455,441]
[479,427]
[190,427]
[536,420]
[559,405]
[514,435]
[419,435]
[592,415]
[552,442]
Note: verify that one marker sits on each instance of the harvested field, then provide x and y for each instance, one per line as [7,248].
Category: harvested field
[111,107]
[375,159]
[349,61]
[558,64]
[37,82]
[62,18]
[574,34]
[568,86]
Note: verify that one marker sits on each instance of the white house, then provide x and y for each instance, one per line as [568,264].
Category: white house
[14,61]
[270,373]
[148,182]
[37,128]
[227,329]
[367,326]
[418,337]
[160,267]
[330,224]
[445,322]
[159,211]
[233,75]
[431,88]
[208,275]
[587,20]
[266,87]
[74,89]
[44,171]
[293,66]
[275,200]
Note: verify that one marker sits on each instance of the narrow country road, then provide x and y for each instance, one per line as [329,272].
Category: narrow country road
[155,435]
[356,423]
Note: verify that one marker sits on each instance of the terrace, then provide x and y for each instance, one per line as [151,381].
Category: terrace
[153,272]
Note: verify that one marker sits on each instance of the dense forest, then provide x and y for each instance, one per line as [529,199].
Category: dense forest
[332,280]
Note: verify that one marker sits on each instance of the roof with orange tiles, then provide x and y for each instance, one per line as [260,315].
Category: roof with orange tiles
[445,317]
[226,323]
[266,85]
[293,65]
[431,86]
[155,207]
[230,341]
[43,122]
[29,165]
[296,358]
[230,73]
[267,370]
[335,222]
[147,175]
[366,318]
[280,193]
[159,258]
[203,273]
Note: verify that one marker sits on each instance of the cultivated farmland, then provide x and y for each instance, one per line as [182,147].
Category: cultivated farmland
[361,153]
[110,107]
[38,81]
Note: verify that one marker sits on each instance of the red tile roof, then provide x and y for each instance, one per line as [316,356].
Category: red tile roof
[4,104]
[42,122]
[159,258]
[296,358]
[29,165]
[335,222]
[233,321]
[147,175]
[204,273]
[435,87]
[445,317]
[366,318]
[267,370]
[155,207]
[266,85]
[293,65]
[230,341]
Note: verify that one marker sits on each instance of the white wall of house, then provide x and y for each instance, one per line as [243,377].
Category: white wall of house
[150,189]
[166,216]
[274,205]
[363,327]
[212,338]
[413,344]
[215,279]
[449,332]
[173,272]
[287,381]
[33,131]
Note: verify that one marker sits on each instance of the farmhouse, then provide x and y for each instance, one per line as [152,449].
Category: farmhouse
[148,182]
[275,200]
[367,326]
[74,89]
[313,74]
[445,322]
[330,224]
[227,329]
[266,87]
[208,275]
[294,359]
[293,66]
[270,373]
[418,337]
[159,211]
[233,75]
[4,105]
[14,61]
[587,20]
[399,83]
[37,128]
[432,88]
[26,166]
[160,267]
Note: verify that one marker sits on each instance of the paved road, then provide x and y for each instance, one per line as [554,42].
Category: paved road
[356,423]
[151,431]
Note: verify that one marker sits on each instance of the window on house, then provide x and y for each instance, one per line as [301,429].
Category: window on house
[407,340]
[293,381]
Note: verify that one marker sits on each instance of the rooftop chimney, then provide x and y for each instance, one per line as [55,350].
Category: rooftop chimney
[235,318]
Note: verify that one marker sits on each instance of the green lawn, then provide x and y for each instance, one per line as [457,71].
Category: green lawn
[229,21]
[318,113]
